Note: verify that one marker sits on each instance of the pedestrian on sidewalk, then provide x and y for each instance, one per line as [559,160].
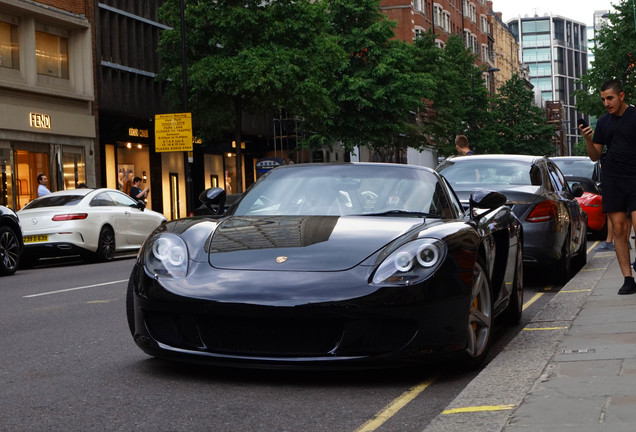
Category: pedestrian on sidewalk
[615,131]
[461,145]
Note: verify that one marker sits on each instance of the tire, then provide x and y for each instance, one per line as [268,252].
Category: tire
[512,314]
[563,267]
[105,245]
[9,251]
[480,319]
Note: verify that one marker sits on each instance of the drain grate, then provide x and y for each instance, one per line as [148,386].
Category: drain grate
[579,351]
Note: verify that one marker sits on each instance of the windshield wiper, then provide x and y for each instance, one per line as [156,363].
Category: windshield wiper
[401,213]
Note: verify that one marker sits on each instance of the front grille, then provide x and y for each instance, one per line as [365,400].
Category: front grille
[268,337]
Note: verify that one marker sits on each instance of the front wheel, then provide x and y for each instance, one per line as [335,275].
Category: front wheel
[480,320]
[106,245]
[9,251]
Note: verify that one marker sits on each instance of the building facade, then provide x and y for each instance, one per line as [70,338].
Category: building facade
[506,51]
[47,122]
[555,50]
[472,20]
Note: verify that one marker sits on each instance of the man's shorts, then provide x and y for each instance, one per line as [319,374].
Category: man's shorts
[619,195]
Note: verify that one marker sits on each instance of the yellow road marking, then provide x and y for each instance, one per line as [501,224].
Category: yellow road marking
[575,291]
[391,409]
[543,328]
[534,298]
[479,409]
[594,269]
[591,248]
[98,301]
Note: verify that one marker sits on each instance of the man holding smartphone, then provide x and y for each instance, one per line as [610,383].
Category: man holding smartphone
[615,131]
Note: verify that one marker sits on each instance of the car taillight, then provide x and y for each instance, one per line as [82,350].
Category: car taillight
[70,216]
[543,212]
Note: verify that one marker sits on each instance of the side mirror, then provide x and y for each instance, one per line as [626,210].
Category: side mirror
[577,190]
[214,197]
[485,199]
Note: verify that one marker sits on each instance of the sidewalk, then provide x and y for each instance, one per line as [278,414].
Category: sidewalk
[572,368]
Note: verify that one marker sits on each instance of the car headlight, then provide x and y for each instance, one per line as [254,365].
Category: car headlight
[166,256]
[411,263]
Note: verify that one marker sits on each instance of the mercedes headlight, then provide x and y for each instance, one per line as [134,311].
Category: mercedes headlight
[166,256]
[411,263]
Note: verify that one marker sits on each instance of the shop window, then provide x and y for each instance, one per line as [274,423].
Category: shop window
[28,166]
[51,52]
[9,52]
[74,169]
[174,196]
[6,187]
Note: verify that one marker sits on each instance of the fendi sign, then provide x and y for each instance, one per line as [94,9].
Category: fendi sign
[39,121]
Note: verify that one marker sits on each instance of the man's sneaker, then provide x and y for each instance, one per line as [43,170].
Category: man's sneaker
[629,287]
[605,246]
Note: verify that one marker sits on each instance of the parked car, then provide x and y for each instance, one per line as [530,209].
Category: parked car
[322,265]
[93,223]
[554,224]
[581,170]
[10,241]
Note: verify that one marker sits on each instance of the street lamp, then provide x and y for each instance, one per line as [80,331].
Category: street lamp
[491,78]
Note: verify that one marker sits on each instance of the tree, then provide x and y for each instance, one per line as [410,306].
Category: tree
[614,57]
[459,100]
[377,91]
[249,56]
[517,125]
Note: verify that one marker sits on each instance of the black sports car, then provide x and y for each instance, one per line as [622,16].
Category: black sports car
[10,241]
[323,265]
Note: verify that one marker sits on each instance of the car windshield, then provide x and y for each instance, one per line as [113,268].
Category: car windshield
[54,201]
[576,167]
[487,172]
[339,190]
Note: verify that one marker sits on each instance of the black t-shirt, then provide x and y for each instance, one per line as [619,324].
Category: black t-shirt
[618,135]
[134,191]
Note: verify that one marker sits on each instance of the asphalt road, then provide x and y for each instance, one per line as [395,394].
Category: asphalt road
[69,364]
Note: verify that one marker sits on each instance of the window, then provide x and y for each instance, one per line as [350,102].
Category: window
[485,25]
[9,52]
[437,15]
[51,53]
[446,21]
[417,5]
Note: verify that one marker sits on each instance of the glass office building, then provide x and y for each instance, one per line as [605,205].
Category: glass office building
[555,50]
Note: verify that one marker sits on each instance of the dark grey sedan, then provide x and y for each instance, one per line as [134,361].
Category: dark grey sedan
[554,224]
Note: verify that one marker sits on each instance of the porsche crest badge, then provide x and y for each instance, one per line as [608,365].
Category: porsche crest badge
[281,259]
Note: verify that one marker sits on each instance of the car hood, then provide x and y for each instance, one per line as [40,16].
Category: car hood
[303,243]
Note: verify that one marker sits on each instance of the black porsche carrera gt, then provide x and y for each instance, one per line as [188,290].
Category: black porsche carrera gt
[322,265]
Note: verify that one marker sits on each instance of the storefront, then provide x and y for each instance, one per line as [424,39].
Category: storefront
[33,141]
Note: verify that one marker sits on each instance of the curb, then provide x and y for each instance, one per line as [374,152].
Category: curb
[491,398]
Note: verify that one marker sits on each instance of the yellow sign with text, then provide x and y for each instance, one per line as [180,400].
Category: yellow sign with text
[173,132]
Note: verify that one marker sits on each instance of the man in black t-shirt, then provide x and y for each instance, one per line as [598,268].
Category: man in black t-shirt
[136,192]
[616,130]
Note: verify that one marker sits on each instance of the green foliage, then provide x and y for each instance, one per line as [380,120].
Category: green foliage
[377,88]
[336,66]
[517,125]
[579,148]
[614,58]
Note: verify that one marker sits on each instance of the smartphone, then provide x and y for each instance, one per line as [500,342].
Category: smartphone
[582,122]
